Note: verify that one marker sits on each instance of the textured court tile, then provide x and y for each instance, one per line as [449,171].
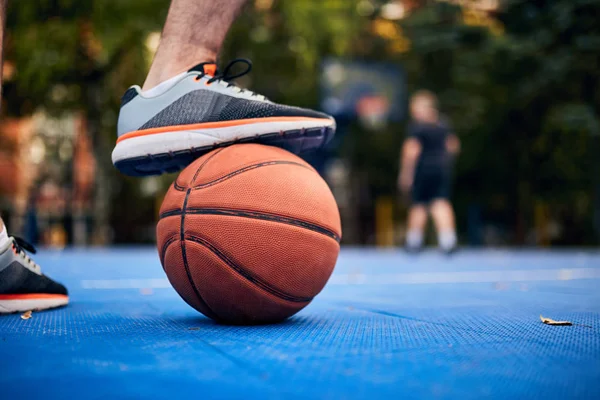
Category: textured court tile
[462,340]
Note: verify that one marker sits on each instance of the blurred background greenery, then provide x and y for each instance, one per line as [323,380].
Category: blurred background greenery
[518,79]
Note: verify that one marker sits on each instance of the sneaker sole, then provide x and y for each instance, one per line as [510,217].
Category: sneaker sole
[13,303]
[156,151]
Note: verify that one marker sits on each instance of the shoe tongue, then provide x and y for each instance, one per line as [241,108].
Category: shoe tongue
[208,68]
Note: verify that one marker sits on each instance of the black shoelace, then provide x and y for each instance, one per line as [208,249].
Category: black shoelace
[21,244]
[226,75]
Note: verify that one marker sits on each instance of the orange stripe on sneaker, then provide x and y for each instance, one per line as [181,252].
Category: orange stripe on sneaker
[33,296]
[211,125]
[210,69]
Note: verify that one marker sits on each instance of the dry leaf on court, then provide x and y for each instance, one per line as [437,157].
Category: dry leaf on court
[26,315]
[549,321]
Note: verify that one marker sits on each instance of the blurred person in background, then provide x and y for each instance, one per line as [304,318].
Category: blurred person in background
[425,175]
[185,108]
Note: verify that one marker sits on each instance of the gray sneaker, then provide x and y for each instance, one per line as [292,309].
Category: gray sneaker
[23,287]
[202,111]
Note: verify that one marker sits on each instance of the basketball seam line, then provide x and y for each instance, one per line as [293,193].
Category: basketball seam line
[245,169]
[206,162]
[180,188]
[255,215]
[185,261]
[167,243]
[245,274]
[250,167]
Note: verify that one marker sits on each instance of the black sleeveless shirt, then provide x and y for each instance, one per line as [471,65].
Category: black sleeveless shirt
[432,137]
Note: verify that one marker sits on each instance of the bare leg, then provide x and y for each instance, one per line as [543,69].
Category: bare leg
[193,33]
[417,219]
[443,217]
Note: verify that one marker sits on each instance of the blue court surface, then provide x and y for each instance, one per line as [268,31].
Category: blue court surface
[388,325]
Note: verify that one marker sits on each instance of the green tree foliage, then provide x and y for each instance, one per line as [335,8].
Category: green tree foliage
[60,46]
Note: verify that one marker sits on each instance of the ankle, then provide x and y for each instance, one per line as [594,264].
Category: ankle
[158,77]
[163,86]
[166,66]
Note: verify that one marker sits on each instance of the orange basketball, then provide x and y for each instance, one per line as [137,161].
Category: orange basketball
[248,234]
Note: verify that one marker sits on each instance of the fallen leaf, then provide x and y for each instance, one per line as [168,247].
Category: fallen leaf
[26,315]
[549,321]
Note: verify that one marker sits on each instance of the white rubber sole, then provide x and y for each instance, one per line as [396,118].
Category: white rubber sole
[32,304]
[165,142]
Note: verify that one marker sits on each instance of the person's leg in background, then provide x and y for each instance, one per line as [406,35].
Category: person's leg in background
[417,222]
[419,190]
[186,107]
[23,287]
[443,217]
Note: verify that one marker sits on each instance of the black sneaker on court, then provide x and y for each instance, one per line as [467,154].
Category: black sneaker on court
[23,287]
[202,110]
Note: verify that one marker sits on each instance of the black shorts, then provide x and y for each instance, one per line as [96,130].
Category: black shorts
[429,186]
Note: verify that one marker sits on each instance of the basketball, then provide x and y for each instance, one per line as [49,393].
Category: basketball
[248,234]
